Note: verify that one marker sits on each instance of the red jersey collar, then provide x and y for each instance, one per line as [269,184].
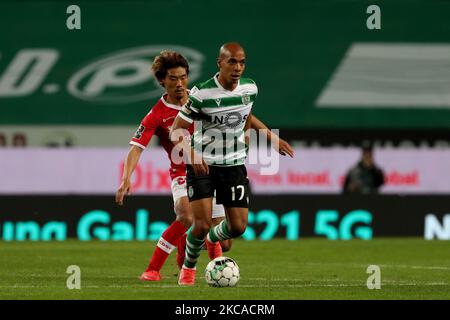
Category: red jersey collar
[167,104]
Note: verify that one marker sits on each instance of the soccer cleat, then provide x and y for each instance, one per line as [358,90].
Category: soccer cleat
[214,249]
[151,275]
[187,277]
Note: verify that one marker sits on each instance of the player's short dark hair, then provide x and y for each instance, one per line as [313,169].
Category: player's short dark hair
[167,60]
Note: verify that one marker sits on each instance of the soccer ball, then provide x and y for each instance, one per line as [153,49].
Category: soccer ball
[222,272]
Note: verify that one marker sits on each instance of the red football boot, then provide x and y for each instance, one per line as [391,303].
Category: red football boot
[187,277]
[151,275]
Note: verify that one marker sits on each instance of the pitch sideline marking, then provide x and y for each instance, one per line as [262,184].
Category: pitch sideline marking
[384,265]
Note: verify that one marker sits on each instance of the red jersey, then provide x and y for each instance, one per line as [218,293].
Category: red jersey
[159,121]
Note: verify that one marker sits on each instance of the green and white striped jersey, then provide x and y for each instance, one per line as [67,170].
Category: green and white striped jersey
[220,117]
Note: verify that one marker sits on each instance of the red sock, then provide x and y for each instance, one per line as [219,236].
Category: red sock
[180,250]
[166,244]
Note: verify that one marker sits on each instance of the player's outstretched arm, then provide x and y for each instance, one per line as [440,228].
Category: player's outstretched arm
[130,164]
[279,144]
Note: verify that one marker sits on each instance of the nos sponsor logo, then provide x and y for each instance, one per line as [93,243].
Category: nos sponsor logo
[120,77]
[434,229]
[231,120]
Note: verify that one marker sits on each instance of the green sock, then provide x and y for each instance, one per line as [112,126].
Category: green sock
[193,247]
[219,232]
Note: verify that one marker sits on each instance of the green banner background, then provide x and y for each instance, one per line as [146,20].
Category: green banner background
[293,48]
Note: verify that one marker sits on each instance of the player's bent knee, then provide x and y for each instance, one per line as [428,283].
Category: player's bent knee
[185,219]
[238,230]
[202,227]
[184,212]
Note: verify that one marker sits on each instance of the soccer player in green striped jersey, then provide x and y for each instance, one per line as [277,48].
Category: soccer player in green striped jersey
[221,138]
[215,162]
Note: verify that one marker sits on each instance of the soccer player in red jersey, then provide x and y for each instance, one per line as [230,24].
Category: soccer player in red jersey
[172,70]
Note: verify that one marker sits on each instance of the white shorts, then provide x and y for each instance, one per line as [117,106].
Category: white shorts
[179,190]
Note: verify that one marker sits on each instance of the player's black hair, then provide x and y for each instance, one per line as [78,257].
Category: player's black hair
[167,60]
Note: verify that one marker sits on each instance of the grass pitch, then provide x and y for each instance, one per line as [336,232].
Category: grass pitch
[278,269]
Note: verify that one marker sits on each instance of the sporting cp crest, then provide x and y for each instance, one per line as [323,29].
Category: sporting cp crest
[246,99]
